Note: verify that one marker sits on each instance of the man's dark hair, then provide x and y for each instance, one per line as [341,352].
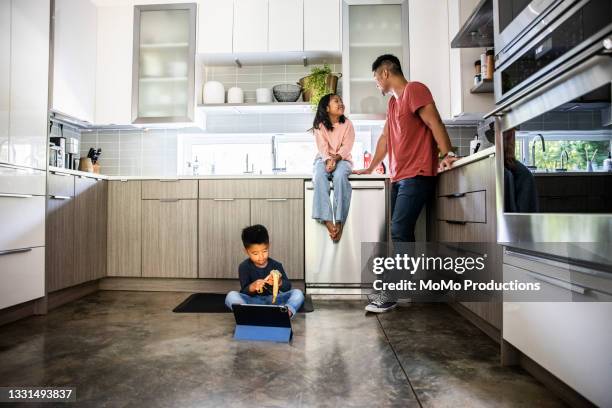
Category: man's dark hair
[390,62]
[255,234]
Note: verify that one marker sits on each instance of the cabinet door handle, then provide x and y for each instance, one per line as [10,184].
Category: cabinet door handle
[15,251]
[456,222]
[55,173]
[16,195]
[456,195]
[60,197]
[168,180]
[223,199]
[276,199]
[169,200]
[559,283]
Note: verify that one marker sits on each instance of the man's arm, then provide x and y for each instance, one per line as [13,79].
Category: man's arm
[379,154]
[429,114]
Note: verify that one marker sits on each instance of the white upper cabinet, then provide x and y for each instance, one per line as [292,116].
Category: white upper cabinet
[74,59]
[5,77]
[430,49]
[286,25]
[322,25]
[29,81]
[114,65]
[215,26]
[250,26]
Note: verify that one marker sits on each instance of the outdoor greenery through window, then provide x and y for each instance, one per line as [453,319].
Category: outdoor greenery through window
[577,151]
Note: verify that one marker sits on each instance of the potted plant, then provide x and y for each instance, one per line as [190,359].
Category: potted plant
[319,83]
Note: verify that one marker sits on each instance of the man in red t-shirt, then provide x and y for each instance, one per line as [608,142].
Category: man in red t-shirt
[413,136]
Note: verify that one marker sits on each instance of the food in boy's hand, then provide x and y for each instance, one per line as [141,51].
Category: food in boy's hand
[276,275]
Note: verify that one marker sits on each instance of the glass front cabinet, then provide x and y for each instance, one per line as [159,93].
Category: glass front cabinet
[370,29]
[163,76]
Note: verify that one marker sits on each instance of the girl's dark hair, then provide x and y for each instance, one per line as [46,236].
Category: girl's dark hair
[322,117]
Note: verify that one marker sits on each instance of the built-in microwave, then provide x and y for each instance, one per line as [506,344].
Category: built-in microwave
[567,29]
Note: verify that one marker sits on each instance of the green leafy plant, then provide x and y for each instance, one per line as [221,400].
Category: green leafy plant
[316,83]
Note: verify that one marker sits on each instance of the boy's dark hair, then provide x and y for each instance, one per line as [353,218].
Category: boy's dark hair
[255,234]
[389,61]
[322,117]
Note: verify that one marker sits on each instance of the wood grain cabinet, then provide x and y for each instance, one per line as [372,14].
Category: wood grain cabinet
[170,238]
[227,206]
[464,211]
[60,227]
[221,249]
[90,231]
[76,230]
[124,246]
[284,219]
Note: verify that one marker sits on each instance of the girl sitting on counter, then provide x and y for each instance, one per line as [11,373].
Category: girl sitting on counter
[335,136]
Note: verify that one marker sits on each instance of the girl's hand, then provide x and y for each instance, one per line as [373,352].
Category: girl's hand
[330,165]
[337,157]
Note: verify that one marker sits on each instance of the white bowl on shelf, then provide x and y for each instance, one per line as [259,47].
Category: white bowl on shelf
[214,92]
[235,95]
[263,95]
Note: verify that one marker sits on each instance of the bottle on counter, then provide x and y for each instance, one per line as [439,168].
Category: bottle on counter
[490,65]
[607,163]
[367,159]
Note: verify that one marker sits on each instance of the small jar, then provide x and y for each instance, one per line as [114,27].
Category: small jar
[477,67]
[477,79]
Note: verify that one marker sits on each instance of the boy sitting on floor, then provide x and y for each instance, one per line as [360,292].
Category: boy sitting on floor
[256,277]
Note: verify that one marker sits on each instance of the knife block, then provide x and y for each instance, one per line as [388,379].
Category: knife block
[86,165]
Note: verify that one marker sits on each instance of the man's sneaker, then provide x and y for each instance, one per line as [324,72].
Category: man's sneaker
[380,303]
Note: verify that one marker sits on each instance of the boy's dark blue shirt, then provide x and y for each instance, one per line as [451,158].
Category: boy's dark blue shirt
[249,273]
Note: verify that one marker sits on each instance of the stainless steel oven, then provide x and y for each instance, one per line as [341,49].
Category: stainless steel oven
[557,133]
[560,32]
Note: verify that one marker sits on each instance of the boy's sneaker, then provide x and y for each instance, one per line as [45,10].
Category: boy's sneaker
[380,303]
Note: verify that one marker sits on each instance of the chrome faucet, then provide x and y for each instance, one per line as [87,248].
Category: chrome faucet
[533,145]
[246,165]
[563,163]
[275,167]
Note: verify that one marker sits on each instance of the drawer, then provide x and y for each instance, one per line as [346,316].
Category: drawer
[23,222]
[169,189]
[476,176]
[22,276]
[61,185]
[253,188]
[15,180]
[468,207]
[459,231]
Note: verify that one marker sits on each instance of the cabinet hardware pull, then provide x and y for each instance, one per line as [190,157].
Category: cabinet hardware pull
[60,197]
[276,199]
[456,195]
[356,188]
[223,199]
[168,180]
[168,200]
[15,251]
[559,283]
[55,173]
[456,222]
[16,195]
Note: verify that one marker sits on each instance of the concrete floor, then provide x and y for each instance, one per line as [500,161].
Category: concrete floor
[127,349]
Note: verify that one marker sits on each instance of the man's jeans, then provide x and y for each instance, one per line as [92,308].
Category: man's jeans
[321,205]
[293,299]
[408,197]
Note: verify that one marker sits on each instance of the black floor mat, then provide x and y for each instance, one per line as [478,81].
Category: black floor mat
[215,303]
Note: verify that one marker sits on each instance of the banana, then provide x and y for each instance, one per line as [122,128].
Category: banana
[276,275]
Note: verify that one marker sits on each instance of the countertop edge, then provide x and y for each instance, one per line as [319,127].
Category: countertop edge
[483,154]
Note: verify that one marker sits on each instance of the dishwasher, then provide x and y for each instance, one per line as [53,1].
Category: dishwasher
[335,268]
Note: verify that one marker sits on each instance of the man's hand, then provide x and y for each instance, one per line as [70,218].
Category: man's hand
[257,285]
[330,165]
[446,163]
[363,171]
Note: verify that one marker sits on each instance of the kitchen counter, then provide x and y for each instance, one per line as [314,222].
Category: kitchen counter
[472,158]
[211,177]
